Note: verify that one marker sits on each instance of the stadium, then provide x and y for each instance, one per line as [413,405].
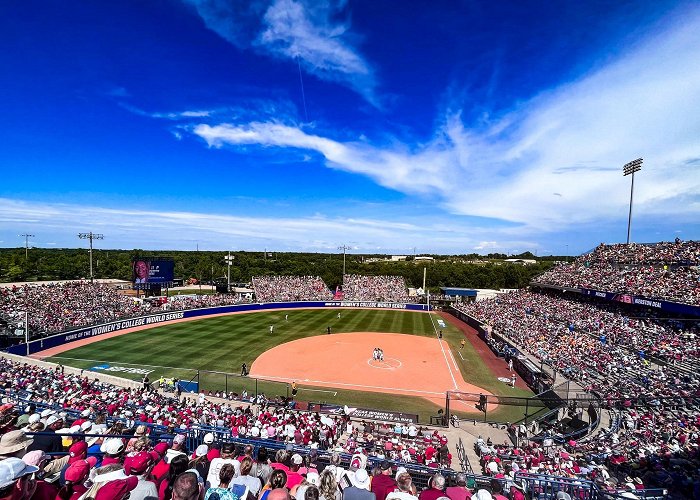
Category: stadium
[350,250]
[559,387]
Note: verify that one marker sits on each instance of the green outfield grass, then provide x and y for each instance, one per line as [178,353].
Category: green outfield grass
[223,343]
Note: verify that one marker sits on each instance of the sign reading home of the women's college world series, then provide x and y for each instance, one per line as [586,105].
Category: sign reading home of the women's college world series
[153,319]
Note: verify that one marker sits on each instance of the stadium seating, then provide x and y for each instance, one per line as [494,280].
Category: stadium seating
[666,271]
[290,288]
[375,288]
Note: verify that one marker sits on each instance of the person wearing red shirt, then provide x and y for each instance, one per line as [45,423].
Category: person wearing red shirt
[436,490]
[383,483]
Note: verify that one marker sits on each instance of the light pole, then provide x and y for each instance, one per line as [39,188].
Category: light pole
[631,168]
[344,248]
[91,236]
[26,330]
[229,260]
[26,237]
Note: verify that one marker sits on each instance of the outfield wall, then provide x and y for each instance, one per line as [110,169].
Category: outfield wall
[39,345]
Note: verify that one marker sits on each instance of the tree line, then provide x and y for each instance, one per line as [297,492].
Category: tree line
[469,271]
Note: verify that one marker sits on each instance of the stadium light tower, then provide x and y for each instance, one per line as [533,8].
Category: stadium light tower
[229,260]
[91,236]
[344,248]
[26,237]
[631,168]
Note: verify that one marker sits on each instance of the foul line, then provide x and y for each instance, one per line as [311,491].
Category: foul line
[443,352]
[460,355]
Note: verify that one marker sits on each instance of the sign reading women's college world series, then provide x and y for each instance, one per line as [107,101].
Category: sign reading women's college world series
[113,326]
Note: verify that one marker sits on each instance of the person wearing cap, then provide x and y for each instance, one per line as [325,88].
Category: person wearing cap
[460,491]
[161,467]
[293,476]
[50,442]
[383,483]
[77,451]
[227,457]
[75,476]
[359,490]
[14,444]
[139,465]
[178,448]
[117,489]
[200,460]
[404,488]
[16,482]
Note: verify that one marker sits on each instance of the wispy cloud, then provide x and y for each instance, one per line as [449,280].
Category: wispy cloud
[152,229]
[304,32]
[571,141]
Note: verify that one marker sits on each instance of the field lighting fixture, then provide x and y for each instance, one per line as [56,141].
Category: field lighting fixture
[631,168]
[91,236]
[26,237]
[344,248]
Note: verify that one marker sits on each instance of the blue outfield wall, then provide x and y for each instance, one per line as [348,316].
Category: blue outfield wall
[165,317]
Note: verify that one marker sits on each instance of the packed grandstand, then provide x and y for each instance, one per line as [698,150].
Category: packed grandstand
[640,363]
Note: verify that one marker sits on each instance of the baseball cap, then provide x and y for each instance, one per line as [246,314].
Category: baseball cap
[137,464]
[76,451]
[12,469]
[161,448]
[35,458]
[296,459]
[52,420]
[179,439]
[117,489]
[201,450]
[227,448]
[385,465]
[208,438]
[313,478]
[78,471]
[112,446]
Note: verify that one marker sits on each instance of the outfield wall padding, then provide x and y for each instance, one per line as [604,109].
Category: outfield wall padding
[39,345]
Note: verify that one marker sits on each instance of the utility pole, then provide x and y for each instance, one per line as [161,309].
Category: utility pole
[631,168]
[26,244]
[91,236]
[344,248]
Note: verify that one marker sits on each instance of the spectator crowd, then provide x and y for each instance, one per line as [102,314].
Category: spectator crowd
[375,288]
[617,353]
[56,307]
[290,288]
[664,271]
[100,441]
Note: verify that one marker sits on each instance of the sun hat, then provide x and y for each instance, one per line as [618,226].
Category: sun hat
[14,441]
[12,469]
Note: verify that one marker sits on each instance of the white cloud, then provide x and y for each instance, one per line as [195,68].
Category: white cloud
[294,30]
[307,32]
[571,141]
[152,229]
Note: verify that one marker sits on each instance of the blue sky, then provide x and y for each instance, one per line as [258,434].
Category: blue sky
[452,127]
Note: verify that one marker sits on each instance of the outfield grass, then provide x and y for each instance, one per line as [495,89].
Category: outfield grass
[223,343]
